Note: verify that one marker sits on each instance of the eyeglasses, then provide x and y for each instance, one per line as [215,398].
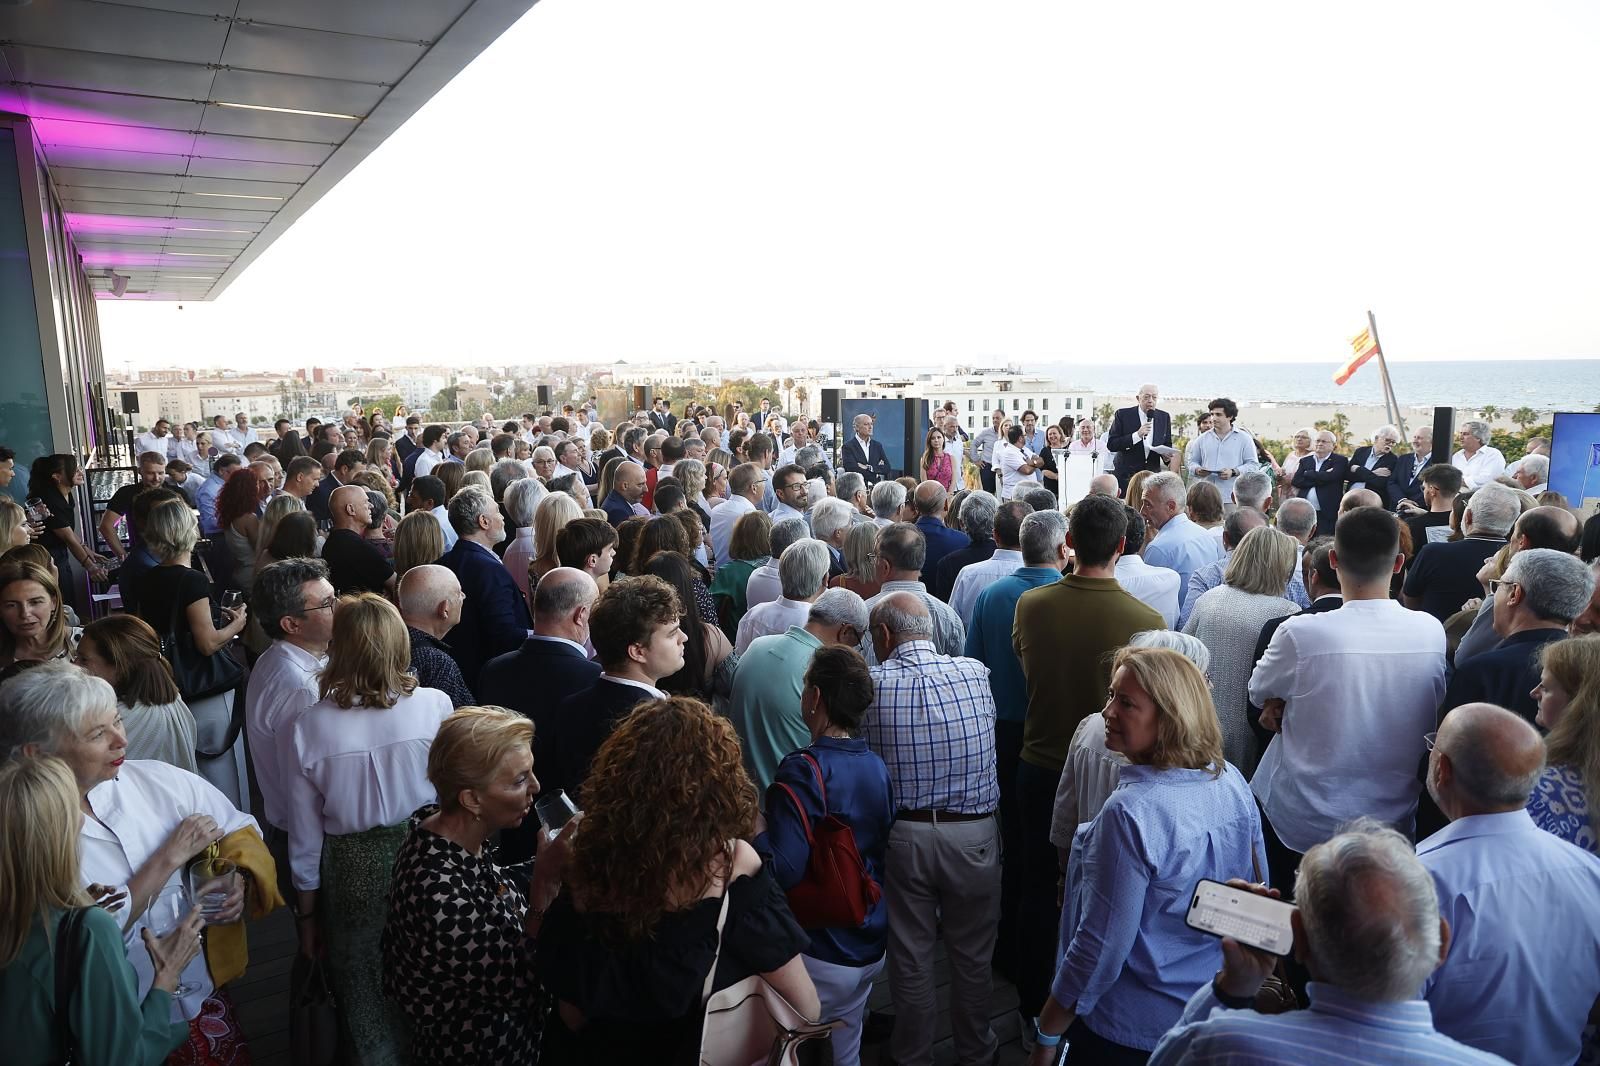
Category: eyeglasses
[325,605]
[1430,740]
[1494,586]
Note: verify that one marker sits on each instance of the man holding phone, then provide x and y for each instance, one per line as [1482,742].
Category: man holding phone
[1354,892]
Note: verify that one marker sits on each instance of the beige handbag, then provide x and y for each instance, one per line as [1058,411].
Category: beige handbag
[750,1023]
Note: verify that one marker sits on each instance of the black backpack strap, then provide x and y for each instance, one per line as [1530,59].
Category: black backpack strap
[69,966]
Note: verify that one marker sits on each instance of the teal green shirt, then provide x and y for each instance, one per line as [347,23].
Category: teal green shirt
[989,638]
[110,1025]
[765,705]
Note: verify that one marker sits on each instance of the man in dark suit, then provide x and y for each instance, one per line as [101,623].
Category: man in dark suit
[863,455]
[1444,574]
[495,618]
[1373,466]
[638,640]
[551,665]
[1320,480]
[1407,479]
[627,489]
[1542,592]
[1322,585]
[940,539]
[1135,434]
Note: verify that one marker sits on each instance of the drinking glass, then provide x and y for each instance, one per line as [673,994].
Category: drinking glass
[167,912]
[210,881]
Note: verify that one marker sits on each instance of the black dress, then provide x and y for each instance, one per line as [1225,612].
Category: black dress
[455,957]
[641,1000]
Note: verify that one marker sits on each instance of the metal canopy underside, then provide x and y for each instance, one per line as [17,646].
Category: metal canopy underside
[184,136]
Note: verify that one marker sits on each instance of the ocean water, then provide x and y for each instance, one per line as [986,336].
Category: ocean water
[1542,384]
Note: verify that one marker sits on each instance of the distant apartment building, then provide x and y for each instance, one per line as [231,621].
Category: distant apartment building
[675,375]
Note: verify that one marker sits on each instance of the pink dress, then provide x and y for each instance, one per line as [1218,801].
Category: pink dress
[942,470]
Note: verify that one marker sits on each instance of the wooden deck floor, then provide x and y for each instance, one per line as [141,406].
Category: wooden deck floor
[261,997]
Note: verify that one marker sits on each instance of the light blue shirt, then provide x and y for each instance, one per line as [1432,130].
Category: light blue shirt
[1524,913]
[1035,443]
[1336,1030]
[1129,962]
[1185,547]
[206,504]
[1236,451]
[1209,577]
[989,638]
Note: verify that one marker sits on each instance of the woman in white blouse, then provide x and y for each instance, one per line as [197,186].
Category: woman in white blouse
[360,767]
[143,821]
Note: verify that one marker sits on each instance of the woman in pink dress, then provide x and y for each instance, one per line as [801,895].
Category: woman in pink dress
[936,464]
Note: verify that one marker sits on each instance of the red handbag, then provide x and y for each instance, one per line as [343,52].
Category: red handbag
[837,891]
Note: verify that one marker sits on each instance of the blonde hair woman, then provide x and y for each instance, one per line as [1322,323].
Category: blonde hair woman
[361,754]
[1569,707]
[41,903]
[1133,869]
[33,625]
[1134,497]
[418,540]
[142,823]
[477,479]
[554,512]
[468,979]
[176,599]
[480,459]
[1228,621]
[13,524]
[278,508]
[125,652]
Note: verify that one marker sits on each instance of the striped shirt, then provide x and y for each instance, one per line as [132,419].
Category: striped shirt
[932,723]
[1336,1030]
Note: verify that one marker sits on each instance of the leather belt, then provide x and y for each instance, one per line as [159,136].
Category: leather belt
[940,816]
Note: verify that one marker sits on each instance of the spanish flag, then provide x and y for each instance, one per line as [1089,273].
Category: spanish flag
[1364,347]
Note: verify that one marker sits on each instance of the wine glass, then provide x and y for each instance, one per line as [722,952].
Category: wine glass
[167,912]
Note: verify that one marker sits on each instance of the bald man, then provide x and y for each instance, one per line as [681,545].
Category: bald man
[1103,485]
[430,602]
[931,499]
[354,565]
[1523,969]
[1359,497]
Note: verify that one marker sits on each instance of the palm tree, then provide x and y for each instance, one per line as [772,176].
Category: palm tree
[1524,417]
[1339,426]
[800,395]
[1488,412]
[1104,413]
[1180,423]
[788,393]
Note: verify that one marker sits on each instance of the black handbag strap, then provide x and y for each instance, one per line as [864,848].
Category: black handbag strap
[69,964]
[236,718]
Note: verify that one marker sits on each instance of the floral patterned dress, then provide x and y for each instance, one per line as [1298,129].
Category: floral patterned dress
[455,956]
[1560,806]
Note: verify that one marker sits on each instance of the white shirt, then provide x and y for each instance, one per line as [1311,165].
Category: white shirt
[1485,465]
[149,442]
[723,519]
[957,453]
[783,511]
[358,768]
[140,808]
[770,618]
[975,577]
[442,516]
[426,462]
[1007,458]
[654,692]
[1154,586]
[1088,778]
[243,438]
[763,586]
[282,685]
[562,470]
[1362,686]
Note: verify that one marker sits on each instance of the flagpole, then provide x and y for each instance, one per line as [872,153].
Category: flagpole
[1389,399]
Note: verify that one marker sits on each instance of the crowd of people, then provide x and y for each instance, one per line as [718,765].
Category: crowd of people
[371,668]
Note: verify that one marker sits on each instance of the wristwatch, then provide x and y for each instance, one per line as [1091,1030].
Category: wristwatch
[1044,1039]
[1231,1002]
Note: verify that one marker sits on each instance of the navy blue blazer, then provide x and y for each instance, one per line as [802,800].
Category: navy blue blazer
[580,724]
[1504,675]
[1379,477]
[533,680]
[940,541]
[1329,483]
[1124,440]
[943,581]
[873,466]
[1407,479]
[495,619]
[616,509]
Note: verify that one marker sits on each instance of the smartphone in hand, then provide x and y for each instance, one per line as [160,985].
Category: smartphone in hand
[1255,921]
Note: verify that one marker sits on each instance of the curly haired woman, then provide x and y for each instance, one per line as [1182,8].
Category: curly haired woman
[627,944]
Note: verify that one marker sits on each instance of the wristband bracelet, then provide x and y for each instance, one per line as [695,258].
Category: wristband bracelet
[1044,1039]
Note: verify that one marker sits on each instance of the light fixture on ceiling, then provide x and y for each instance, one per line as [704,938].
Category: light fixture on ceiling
[200,255]
[190,277]
[286,110]
[209,229]
[119,284]
[236,195]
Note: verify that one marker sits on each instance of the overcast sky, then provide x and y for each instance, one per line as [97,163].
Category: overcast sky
[875,183]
